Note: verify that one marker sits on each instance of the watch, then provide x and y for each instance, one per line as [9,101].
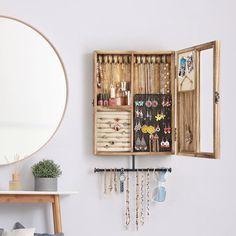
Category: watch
[122,180]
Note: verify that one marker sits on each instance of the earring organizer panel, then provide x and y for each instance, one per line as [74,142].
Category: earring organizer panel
[113,131]
[152,129]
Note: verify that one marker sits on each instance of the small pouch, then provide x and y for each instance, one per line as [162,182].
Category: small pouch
[159,193]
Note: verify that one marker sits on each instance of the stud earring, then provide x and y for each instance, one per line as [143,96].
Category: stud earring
[162,143]
[154,103]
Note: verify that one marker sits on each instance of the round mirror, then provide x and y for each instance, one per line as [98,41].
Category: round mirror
[33,90]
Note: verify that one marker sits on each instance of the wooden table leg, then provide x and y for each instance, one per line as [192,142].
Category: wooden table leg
[57,214]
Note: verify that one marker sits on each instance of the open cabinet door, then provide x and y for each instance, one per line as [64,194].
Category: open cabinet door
[197,102]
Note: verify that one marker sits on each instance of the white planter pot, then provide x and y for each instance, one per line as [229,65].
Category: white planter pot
[45,184]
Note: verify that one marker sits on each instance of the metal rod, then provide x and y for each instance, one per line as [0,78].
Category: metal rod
[133,170]
[133,162]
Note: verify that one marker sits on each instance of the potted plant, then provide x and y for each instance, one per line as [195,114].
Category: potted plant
[45,174]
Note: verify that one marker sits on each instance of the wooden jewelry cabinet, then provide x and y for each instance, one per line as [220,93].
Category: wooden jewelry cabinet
[150,103]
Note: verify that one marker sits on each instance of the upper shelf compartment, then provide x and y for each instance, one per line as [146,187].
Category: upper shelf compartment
[113,81]
[152,74]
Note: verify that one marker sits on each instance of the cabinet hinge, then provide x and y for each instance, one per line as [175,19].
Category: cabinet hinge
[93,102]
[217,97]
[175,134]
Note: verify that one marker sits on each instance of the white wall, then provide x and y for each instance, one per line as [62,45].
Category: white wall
[201,193]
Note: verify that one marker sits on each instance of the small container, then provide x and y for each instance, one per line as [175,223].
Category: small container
[105,99]
[45,184]
[118,97]
[15,183]
[112,102]
[128,98]
[100,100]
[123,86]
[112,92]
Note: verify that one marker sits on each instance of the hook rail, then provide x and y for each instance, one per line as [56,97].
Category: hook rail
[132,170]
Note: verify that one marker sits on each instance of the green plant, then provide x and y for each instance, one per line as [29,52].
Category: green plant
[46,169]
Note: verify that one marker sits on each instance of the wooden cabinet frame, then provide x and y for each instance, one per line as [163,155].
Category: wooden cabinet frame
[215,45]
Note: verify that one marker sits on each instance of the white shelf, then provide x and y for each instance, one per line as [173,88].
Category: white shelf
[37,193]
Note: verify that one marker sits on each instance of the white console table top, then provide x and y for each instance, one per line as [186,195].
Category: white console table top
[38,193]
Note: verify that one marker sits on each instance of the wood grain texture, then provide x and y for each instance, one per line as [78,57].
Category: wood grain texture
[184,100]
[57,214]
[26,198]
[187,104]
[216,108]
[114,131]
[41,198]
[186,121]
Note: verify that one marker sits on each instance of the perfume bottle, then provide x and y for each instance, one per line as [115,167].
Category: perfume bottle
[100,99]
[112,100]
[105,99]
[15,183]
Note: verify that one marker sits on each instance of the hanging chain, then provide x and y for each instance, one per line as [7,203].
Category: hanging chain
[148,193]
[137,200]
[127,207]
[142,200]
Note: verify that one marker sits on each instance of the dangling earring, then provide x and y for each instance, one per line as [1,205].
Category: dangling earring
[158,128]
[143,145]
[151,143]
[147,115]
[137,144]
[169,129]
[165,130]
[150,115]
[137,126]
[156,140]
[137,112]
[163,102]
[141,114]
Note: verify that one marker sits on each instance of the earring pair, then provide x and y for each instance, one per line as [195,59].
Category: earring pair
[150,103]
[139,113]
[167,130]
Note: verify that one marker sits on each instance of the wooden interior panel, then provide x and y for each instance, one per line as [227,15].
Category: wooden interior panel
[188,107]
[145,71]
[113,132]
[186,122]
